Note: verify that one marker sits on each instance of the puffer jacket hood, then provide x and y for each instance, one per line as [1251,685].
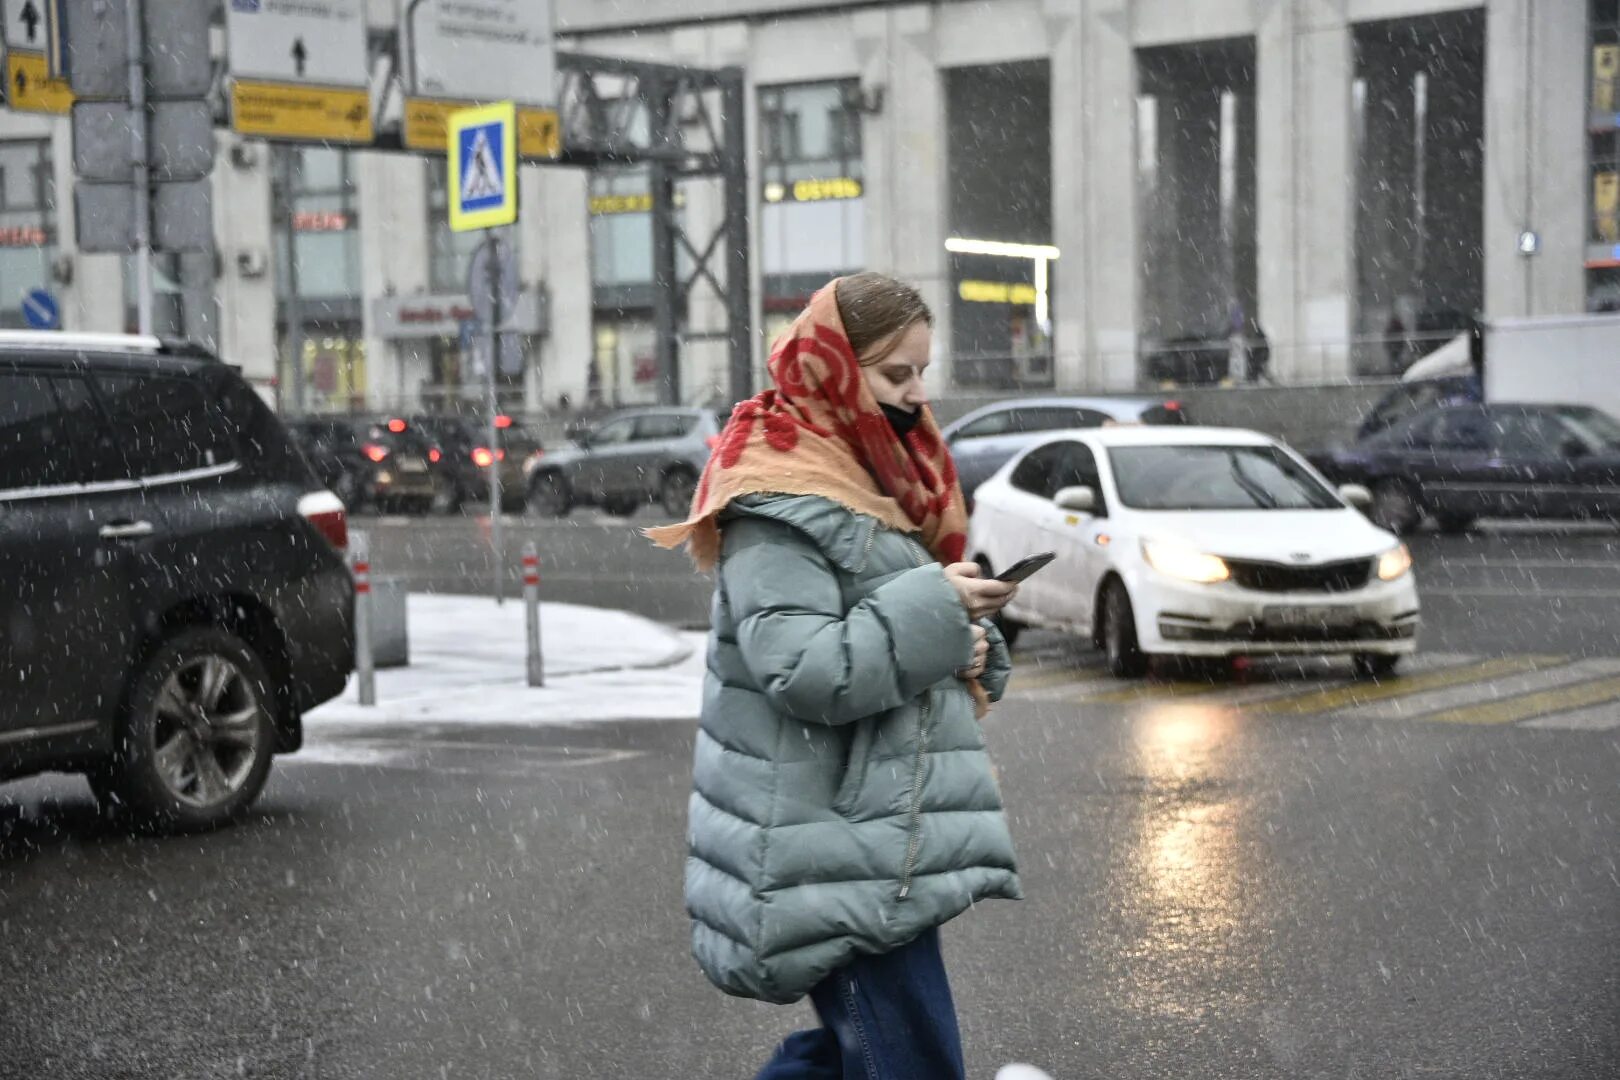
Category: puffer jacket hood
[843,801]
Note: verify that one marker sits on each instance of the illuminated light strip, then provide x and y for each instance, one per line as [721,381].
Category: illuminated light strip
[1043,300]
[1000,247]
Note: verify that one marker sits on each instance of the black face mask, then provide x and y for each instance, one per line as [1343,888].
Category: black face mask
[901,420]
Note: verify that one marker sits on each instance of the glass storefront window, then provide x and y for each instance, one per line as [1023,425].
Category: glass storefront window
[621,228]
[813,217]
[320,219]
[1603,160]
[27,224]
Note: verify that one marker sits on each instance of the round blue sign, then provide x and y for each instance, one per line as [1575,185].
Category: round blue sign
[39,308]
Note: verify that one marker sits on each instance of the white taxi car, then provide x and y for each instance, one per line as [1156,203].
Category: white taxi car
[1195,541]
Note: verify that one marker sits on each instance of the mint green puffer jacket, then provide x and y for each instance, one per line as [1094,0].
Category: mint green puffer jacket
[843,801]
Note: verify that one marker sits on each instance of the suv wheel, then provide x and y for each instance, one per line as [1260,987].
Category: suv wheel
[549,495]
[676,492]
[193,747]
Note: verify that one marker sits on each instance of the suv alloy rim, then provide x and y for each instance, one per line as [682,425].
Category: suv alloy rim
[206,733]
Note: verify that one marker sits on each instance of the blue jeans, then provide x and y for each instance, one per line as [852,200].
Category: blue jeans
[887,1017]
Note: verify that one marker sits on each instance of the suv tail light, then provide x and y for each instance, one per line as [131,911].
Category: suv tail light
[325,511]
[434,455]
[484,459]
[374,452]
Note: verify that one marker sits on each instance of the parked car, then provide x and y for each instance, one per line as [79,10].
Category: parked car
[461,457]
[1460,462]
[983,440]
[1205,542]
[1189,360]
[173,593]
[629,459]
[368,463]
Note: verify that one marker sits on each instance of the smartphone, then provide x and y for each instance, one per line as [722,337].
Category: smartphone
[1024,567]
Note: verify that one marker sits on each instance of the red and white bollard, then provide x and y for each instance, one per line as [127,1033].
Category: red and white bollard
[360,553]
[531,609]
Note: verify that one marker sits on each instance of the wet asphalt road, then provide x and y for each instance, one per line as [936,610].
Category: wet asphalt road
[1508,588]
[1210,894]
[1213,891]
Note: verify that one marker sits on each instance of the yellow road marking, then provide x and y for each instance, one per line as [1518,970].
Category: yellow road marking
[1155,691]
[1043,679]
[1346,697]
[1528,706]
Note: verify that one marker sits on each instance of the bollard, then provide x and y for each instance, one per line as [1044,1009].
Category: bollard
[531,606]
[360,552]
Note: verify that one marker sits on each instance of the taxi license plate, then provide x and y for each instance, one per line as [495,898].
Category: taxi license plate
[1309,616]
[412,465]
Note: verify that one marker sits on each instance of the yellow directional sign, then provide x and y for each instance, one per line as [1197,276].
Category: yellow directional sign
[29,86]
[286,111]
[427,127]
[539,133]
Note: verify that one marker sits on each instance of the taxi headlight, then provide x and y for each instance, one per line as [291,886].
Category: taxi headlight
[1186,563]
[1395,562]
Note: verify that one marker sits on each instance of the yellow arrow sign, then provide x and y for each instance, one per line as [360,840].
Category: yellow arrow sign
[29,86]
[285,111]
[427,127]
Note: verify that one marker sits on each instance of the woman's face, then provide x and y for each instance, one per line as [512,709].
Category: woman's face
[898,378]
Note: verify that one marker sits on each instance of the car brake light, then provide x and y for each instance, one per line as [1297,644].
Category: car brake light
[503,422]
[374,452]
[396,426]
[1173,406]
[324,510]
[434,455]
[482,457]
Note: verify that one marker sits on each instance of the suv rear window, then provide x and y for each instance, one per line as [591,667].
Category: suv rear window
[35,440]
[159,426]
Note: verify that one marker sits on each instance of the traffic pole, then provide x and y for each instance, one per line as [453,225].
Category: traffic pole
[493,359]
[531,605]
[360,552]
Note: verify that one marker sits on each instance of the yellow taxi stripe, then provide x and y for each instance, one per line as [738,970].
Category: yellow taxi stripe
[1529,706]
[1346,697]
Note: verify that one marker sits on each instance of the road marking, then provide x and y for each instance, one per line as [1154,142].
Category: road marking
[1521,594]
[1336,699]
[1043,679]
[1420,705]
[1531,706]
[1604,717]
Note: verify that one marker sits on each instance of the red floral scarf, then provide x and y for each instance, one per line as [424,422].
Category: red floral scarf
[820,432]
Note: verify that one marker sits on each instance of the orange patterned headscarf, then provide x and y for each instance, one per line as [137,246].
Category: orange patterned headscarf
[820,432]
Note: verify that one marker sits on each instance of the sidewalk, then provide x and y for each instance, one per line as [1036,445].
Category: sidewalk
[467,666]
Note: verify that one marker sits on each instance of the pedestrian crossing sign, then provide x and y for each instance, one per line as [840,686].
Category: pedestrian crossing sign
[483,167]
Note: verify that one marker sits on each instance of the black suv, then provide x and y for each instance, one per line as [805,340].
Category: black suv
[458,447]
[173,592]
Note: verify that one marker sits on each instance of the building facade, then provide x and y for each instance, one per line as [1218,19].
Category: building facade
[1091,194]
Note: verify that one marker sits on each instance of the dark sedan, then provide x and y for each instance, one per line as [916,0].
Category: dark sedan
[1460,462]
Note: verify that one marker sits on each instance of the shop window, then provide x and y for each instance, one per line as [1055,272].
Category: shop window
[27,224]
[318,209]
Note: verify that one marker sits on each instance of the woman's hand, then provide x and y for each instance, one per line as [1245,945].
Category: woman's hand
[982,597]
[981,654]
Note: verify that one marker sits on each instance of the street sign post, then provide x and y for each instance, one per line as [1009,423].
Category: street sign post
[298,70]
[483,195]
[142,128]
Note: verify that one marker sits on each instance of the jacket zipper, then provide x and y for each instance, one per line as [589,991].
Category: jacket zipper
[866,553]
[915,842]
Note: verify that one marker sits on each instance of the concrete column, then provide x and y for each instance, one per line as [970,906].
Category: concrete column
[1107,260]
[1536,65]
[1070,303]
[94,300]
[393,260]
[1305,188]
[564,257]
[243,235]
[905,169]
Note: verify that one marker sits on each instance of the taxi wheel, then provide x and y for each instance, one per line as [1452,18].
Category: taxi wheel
[1395,508]
[1374,666]
[1126,660]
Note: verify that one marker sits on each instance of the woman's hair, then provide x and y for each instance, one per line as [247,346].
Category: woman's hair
[876,308]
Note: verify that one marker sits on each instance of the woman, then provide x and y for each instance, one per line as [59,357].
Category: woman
[843,804]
